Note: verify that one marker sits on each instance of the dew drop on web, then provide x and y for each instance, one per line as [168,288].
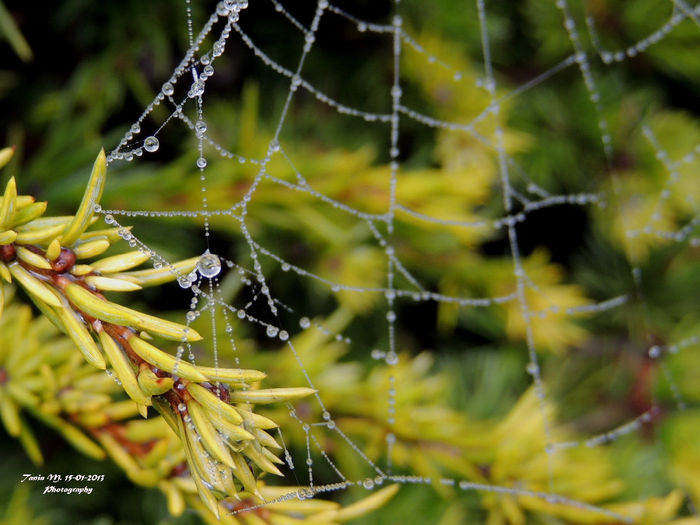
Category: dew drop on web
[209,265]
[151,144]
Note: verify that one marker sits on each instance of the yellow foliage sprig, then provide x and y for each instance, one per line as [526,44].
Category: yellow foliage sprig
[208,408]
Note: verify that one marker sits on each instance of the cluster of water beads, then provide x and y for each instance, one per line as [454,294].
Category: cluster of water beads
[231,11]
[186,281]
[197,89]
[113,376]
[391,358]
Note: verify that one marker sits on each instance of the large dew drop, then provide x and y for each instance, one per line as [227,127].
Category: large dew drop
[151,144]
[209,265]
[200,128]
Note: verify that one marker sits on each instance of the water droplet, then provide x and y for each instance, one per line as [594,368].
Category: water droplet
[391,317]
[197,89]
[285,267]
[362,27]
[135,128]
[191,316]
[240,314]
[368,484]
[182,407]
[201,163]
[151,144]
[304,322]
[168,89]
[209,265]
[271,331]
[200,128]
[392,358]
[377,354]
[283,335]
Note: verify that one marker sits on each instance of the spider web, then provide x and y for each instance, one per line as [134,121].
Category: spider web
[185,96]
